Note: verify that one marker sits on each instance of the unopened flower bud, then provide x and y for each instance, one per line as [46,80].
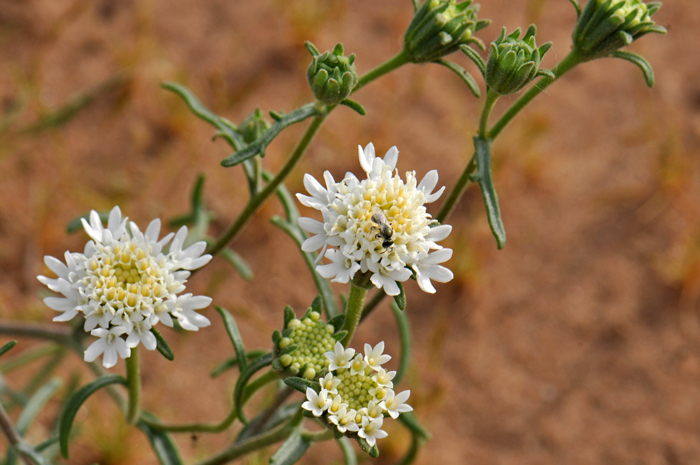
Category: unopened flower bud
[605,26]
[286,360]
[331,75]
[253,126]
[439,27]
[514,62]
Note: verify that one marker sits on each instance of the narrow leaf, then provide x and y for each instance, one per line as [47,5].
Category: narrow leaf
[410,421]
[373,451]
[291,450]
[348,451]
[255,366]
[238,263]
[412,452]
[29,451]
[485,179]
[475,57]
[416,4]
[76,401]
[235,336]
[35,405]
[258,147]
[162,443]
[300,384]
[355,106]
[404,328]
[463,74]
[400,299]
[7,347]
[265,422]
[576,5]
[641,62]
[162,345]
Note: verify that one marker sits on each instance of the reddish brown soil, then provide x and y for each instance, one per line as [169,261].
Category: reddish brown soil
[576,344]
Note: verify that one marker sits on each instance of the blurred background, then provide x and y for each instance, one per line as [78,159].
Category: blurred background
[578,343]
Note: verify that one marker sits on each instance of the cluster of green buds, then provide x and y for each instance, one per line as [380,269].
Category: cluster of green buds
[515,62]
[332,76]
[605,26]
[253,126]
[299,349]
[439,27]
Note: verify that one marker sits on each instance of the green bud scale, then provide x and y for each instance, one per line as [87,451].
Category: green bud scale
[605,26]
[331,75]
[253,126]
[513,63]
[439,27]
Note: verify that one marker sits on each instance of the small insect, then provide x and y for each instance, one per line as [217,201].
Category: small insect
[384,227]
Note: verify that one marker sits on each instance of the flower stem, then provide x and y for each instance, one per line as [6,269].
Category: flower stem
[388,66]
[255,442]
[133,379]
[353,313]
[195,427]
[564,66]
[489,103]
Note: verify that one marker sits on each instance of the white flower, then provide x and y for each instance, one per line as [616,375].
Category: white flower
[383,377]
[378,226]
[429,269]
[396,403]
[336,405]
[124,279]
[316,403]
[344,420]
[374,357]
[358,365]
[110,343]
[340,358]
[371,430]
[329,383]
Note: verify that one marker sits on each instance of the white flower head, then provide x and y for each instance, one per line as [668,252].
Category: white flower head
[378,226]
[371,430]
[374,356]
[317,403]
[124,283]
[340,357]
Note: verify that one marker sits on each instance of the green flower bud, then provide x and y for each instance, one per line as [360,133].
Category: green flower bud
[605,26]
[331,75]
[439,27]
[253,126]
[514,62]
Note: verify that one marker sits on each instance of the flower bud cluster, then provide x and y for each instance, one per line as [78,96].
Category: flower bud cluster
[357,393]
[300,347]
[439,27]
[605,26]
[331,75]
[513,63]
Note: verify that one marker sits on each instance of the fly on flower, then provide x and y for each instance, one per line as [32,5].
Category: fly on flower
[378,228]
[124,284]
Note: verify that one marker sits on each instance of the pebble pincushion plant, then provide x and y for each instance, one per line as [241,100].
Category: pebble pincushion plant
[123,284]
[374,234]
[379,225]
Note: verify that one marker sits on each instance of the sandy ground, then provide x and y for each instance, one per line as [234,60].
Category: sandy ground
[576,344]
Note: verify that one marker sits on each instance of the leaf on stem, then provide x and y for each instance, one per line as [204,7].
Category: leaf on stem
[484,177]
[475,57]
[259,146]
[576,5]
[162,443]
[641,62]
[373,451]
[355,106]
[238,263]
[255,366]
[235,336]
[463,74]
[76,401]
[7,347]
[291,450]
[162,345]
[225,127]
[300,384]
[400,298]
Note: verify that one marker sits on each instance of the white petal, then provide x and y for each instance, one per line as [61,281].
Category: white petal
[110,357]
[433,197]
[60,304]
[424,283]
[57,266]
[313,243]
[391,157]
[153,230]
[149,341]
[311,225]
[115,217]
[95,235]
[439,233]
[428,182]
[315,188]
[95,350]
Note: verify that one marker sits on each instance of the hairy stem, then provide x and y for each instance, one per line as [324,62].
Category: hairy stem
[133,379]
[353,313]
[388,66]
[489,103]
[12,436]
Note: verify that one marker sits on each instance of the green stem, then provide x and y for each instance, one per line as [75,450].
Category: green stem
[372,304]
[564,66]
[258,383]
[388,66]
[255,442]
[257,200]
[195,427]
[489,103]
[457,191]
[317,436]
[133,379]
[353,313]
